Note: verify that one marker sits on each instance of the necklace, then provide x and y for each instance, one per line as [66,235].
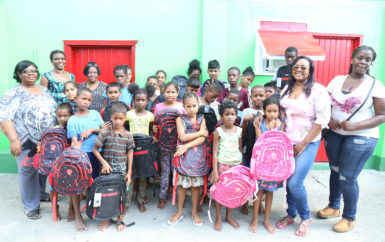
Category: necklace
[34,85]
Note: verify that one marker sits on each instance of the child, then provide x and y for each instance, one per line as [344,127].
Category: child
[190,140]
[84,125]
[123,74]
[113,93]
[227,147]
[270,89]
[70,90]
[246,79]
[117,153]
[213,90]
[155,82]
[162,78]
[141,121]
[270,121]
[193,84]
[257,97]
[166,157]
[213,70]
[233,75]
[235,96]
[150,89]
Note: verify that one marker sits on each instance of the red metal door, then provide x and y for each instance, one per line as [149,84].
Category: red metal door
[338,50]
[107,54]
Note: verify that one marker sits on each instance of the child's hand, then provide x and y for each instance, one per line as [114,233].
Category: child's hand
[248,117]
[154,140]
[258,122]
[106,125]
[106,169]
[204,133]
[180,150]
[38,146]
[128,178]
[86,133]
[277,123]
[215,178]
[155,129]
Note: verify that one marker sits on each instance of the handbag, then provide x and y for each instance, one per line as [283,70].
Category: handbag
[326,131]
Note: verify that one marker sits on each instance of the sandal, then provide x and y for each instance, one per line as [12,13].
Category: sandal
[284,222]
[303,227]
[33,214]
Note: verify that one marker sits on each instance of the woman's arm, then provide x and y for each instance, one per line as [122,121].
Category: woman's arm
[379,118]
[215,156]
[313,133]
[9,130]
[188,137]
[43,81]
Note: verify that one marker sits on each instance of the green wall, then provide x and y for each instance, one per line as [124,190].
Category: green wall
[170,33]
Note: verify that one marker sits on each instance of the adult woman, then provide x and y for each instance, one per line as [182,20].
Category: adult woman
[307,111]
[55,79]
[26,111]
[92,71]
[349,144]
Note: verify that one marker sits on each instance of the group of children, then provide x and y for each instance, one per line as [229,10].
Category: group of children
[107,137]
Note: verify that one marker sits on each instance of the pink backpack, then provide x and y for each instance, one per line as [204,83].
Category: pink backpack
[235,187]
[272,158]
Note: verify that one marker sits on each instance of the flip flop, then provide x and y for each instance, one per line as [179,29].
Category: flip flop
[174,223]
[285,222]
[33,214]
[302,226]
[197,224]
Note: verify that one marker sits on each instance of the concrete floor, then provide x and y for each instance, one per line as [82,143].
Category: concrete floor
[152,225]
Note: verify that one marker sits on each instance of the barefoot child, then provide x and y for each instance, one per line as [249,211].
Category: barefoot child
[70,90]
[270,121]
[190,140]
[117,151]
[227,147]
[141,121]
[84,125]
[165,156]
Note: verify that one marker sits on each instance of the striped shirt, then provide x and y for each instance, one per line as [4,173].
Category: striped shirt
[114,148]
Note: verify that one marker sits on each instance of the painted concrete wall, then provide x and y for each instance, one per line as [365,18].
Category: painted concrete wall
[172,32]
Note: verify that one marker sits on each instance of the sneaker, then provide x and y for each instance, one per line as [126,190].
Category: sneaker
[329,212]
[343,226]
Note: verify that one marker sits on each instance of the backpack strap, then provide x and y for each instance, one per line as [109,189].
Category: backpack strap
[175,162]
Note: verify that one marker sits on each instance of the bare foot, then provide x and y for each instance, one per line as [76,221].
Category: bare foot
[197,219]
[232,222]
[218,224]
[58,216]
[104,225]
[268,226]
[162,203]
[145,200]
[245,209]
[79,224]
[174,218]
[253,225]
[71,214]
[142,208]
[121,226]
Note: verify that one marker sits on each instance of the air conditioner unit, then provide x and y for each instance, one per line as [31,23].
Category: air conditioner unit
[272,65]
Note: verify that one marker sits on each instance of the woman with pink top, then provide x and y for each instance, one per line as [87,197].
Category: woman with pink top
[307,109]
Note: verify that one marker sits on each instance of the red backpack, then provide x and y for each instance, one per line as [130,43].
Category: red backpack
[53,142]
[167,134]
[72,172]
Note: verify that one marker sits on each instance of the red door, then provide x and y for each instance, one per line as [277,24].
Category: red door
[107,54]
[338,50]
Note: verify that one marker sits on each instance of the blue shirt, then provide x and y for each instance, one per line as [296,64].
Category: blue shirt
[125,97]
[77,125]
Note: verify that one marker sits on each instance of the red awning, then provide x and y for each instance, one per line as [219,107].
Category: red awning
[276,42]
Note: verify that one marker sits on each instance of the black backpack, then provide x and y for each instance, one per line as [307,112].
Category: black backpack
[106,198]
[106,111]
[145,163]
[210,117]
[167,134]
[181,81]
[248,140]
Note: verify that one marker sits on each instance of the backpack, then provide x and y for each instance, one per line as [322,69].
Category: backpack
[72,172]
[235,187]
[167,134]
[248,140]
[210,117]
[145,162]
[181,81]
[53,142]
[106,198]
[106,111]
[272,158]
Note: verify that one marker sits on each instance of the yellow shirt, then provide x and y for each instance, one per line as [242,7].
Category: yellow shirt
[139,124]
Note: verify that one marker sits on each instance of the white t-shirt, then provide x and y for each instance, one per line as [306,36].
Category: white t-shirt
[343,105]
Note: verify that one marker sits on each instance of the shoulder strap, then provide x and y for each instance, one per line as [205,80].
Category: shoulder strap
[367,96]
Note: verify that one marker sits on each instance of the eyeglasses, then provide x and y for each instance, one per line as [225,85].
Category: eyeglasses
[303,68]
[26,72]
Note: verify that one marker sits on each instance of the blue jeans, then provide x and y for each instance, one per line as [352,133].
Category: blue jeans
[296,193]
[347,156]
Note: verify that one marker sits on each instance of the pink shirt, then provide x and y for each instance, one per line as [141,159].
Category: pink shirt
[178,106]
[303,112]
